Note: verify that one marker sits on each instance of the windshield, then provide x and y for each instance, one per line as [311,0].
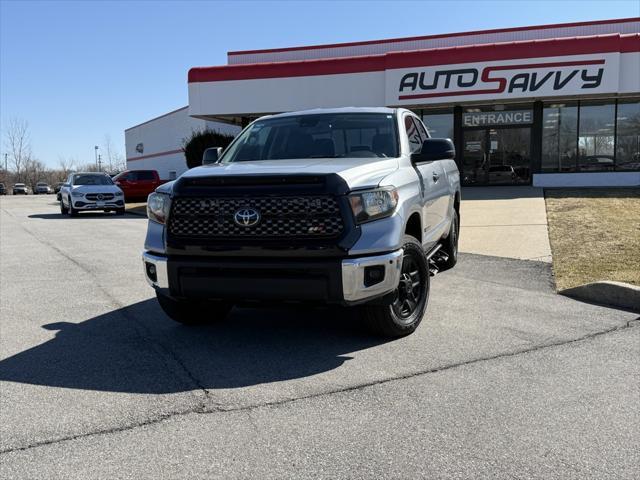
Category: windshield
[89,179]
[19,185]
[41,184]
[325,135]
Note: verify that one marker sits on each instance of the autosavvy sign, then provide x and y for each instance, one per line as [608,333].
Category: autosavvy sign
[542,77]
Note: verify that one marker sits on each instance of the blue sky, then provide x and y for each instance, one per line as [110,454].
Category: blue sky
[79,70]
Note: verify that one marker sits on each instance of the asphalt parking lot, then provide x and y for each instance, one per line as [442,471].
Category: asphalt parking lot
[503,379]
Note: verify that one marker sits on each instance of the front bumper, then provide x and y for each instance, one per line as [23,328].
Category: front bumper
[91,205]
[343,281]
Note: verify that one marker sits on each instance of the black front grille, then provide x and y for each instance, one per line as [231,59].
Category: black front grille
[280,217]
[95,196]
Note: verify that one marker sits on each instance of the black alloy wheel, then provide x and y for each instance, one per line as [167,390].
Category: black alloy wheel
[409,305]
[411,288]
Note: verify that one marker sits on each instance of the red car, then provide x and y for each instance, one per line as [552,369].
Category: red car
[138,183]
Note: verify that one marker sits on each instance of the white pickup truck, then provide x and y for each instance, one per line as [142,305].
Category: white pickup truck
[355,206]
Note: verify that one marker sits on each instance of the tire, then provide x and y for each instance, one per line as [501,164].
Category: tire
[63,210]
[403,316]
[450,244]
[194,312]
[70,210]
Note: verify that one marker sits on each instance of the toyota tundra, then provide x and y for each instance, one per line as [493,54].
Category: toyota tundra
[351,206]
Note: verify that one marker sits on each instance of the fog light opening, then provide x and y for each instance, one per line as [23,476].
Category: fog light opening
[151,272]
[373,275]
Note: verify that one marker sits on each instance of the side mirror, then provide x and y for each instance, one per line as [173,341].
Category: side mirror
[435,149]
[211,155]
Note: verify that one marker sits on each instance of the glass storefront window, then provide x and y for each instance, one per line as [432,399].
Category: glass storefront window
[439,125]
[628,136]
[559,134]
[596,139]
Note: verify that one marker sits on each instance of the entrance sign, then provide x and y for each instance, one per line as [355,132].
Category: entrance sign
[512,117]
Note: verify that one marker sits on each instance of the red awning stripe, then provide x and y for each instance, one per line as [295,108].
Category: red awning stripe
[420,58]
[432,37]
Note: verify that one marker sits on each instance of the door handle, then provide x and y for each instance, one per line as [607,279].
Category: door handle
[436,177]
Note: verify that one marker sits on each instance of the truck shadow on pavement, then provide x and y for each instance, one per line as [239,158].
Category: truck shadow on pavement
[137,349]
[106,216]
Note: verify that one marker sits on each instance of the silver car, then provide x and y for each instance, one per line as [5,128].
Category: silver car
[90,191]
[42,187]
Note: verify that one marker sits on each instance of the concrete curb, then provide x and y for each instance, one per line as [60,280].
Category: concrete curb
[615,294]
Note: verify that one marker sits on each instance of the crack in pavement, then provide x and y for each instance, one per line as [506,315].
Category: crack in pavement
[221,410]
[204,406]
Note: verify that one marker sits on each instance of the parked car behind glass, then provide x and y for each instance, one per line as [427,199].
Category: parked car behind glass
[502,173]
[3,189]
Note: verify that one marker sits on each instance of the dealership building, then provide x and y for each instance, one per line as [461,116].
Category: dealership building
[550,105]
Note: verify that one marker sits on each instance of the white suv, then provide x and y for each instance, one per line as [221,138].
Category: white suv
[90,191]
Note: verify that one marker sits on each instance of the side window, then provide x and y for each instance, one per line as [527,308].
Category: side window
[146,175]
[132,176]
[415,142]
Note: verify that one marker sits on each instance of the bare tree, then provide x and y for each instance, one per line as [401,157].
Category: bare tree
[86,167]
[114,161]
[66,165]
[34,171]
[18,144]
[107,148]
[119,162]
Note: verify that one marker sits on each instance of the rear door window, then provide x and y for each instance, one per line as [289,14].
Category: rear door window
[146,175]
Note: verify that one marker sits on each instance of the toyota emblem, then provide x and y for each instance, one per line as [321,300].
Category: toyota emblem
[246,217]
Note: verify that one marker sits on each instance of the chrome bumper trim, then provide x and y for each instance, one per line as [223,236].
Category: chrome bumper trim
[353,288]
[161,270]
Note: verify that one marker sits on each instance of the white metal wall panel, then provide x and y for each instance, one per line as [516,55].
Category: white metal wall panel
[453,40]
[161,139]
[629,72]
[273,95]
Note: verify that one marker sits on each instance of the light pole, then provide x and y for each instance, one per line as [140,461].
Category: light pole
[6,170]
[96,152]
[99,162]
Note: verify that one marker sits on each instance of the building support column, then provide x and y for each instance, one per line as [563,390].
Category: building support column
[458,140]
[536,139]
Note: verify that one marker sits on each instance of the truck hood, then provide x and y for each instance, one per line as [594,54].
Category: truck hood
[357,172]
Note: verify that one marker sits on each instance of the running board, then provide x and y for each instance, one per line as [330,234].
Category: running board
[436,256]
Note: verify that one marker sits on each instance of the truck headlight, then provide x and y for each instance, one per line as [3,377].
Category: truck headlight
[77,194]
[373,204]
[158,207]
